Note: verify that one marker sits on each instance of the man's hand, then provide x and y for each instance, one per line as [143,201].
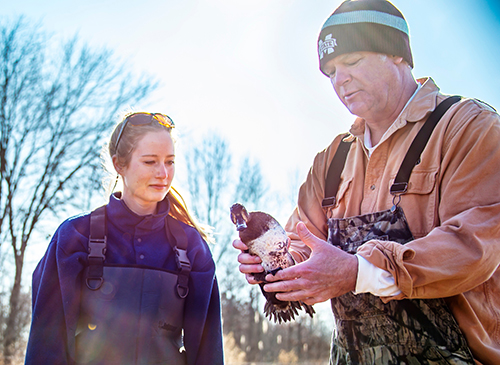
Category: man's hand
[248,263]
[328,273]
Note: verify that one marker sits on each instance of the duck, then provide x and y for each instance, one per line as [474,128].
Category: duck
[266,238]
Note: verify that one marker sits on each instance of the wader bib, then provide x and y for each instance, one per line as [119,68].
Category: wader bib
[131,314]
[409,331]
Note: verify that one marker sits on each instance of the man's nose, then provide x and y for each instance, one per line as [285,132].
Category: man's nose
[340,78]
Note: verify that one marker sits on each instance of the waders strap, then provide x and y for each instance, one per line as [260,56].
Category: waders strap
[179,242]
[97,248]
[412,157]
[334,172]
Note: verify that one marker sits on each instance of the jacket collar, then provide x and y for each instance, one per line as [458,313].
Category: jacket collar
[122,217]
[422,104]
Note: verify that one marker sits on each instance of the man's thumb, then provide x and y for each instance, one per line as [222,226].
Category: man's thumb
[306,236]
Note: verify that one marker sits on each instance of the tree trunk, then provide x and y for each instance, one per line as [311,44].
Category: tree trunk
[11,333]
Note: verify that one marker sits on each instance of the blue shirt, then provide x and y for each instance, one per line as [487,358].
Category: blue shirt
[131,240]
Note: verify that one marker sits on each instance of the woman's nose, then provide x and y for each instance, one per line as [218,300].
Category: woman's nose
[162,172]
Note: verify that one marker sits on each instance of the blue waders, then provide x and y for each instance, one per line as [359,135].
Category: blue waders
[131,314]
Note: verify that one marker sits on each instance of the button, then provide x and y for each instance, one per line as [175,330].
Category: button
[141,257]
[139,240]
[373,187]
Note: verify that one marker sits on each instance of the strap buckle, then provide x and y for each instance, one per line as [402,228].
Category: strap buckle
[182,260]
[329,202]
[184,267]
[97,247]
[399,188]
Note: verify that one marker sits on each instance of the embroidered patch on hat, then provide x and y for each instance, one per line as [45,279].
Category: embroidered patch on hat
[364,26]
[327,46]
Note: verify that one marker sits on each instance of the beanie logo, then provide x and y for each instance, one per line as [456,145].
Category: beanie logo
[327,46]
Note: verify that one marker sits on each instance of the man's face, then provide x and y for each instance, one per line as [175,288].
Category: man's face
[369,84]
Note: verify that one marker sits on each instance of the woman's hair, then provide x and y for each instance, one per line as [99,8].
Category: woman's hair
[129,138]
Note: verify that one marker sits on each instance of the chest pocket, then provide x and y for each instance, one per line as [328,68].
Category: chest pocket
[420,202]
[343,195]
[422,182]
[345,190]
[420,189]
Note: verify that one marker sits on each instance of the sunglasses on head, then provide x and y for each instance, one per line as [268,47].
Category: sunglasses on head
[143,119]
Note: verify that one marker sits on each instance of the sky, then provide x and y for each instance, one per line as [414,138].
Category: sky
[249,70]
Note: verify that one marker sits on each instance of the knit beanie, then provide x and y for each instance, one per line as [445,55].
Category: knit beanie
[364,25]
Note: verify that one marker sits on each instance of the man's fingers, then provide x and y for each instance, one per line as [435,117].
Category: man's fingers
[251,279]
[289,273]
[291,291]
[238,244]
[283,286]
[307,237]
[251,268]
[246,258]
[301,296]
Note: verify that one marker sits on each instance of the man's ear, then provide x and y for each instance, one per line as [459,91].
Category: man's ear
[397,59]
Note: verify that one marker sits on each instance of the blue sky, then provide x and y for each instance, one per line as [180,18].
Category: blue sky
[248,69]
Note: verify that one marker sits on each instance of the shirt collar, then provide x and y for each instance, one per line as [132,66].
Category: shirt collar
[121,216]
[398,123]
[419,106]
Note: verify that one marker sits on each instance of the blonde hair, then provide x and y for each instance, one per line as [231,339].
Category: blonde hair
[179,211]
[128,141]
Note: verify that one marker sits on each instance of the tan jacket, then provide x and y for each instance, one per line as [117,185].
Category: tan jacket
[452,207]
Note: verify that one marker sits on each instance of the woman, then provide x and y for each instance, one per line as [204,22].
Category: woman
[133,282]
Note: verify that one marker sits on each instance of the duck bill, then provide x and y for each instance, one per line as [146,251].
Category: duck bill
[241,226]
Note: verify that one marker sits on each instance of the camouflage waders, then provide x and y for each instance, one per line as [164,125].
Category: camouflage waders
[416,331]
[409,331]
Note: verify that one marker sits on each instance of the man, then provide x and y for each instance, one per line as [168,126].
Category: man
[404,262]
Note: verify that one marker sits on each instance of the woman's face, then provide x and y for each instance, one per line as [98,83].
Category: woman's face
[148,177]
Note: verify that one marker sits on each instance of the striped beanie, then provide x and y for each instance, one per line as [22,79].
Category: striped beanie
[364,25]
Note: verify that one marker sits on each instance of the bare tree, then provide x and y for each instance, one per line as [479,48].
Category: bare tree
[208,165]
[251,188]
[212,191]
[56,104]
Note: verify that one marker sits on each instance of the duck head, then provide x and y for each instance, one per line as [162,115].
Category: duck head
[239,216]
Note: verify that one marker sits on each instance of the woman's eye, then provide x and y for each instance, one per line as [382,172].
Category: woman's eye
[171,162]
[149,162]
